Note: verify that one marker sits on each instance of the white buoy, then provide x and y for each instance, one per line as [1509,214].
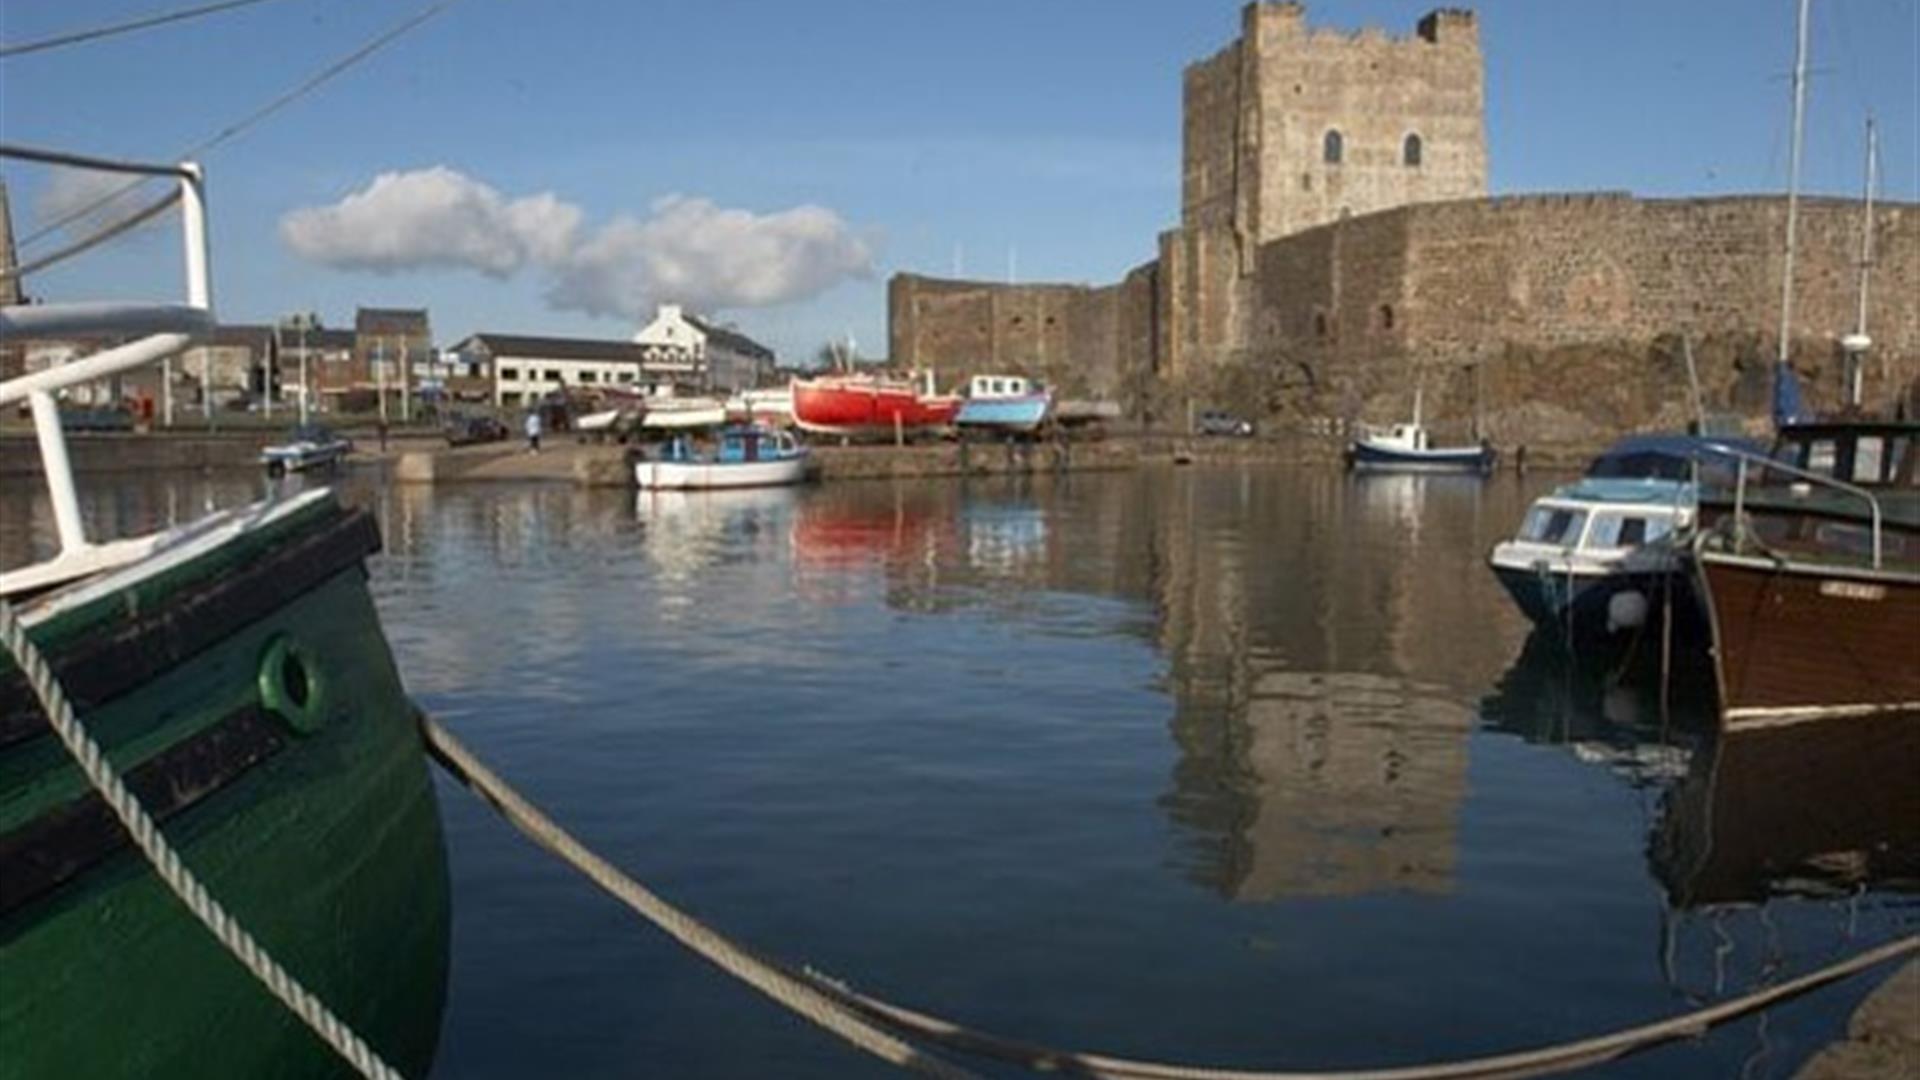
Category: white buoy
[1626,610]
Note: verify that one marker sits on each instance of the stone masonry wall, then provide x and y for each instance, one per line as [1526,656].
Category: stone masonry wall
[1566,313]
[1375,90]
[1081,340]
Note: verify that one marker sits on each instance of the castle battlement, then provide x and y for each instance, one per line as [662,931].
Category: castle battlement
[1292,126]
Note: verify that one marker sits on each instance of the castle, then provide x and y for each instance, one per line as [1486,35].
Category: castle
[1337,244]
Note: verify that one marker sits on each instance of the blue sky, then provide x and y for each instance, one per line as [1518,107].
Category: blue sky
[1036,136]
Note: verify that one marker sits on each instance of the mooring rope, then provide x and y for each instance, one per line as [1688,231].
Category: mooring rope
[803,996]
[831,998]
[166,862]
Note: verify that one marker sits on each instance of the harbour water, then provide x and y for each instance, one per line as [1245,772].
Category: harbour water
[1245,766]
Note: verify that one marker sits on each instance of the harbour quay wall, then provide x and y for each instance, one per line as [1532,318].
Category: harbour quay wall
[116,452]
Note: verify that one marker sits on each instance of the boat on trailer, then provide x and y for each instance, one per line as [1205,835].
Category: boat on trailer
[870,405]
[235,672]
[1004,403]
[743,456]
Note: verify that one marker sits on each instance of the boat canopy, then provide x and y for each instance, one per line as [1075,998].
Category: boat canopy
[1671,457]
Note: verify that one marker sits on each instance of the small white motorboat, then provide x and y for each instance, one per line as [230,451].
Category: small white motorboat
[744,456]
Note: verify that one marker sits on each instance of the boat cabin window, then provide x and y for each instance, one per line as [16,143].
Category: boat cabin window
[1821,456]
[1869,459]
[1625,531]
[1553,525]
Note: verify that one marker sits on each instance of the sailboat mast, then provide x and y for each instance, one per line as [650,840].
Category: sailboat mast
[1866,226]
[1857,344]
[1793,178]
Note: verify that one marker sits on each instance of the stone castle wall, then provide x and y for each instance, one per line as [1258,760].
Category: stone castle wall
[1081,340]
[1257,118]
[1572,308]
[1299,287]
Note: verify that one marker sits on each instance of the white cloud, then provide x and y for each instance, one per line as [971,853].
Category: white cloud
[432,218]
[688,250]
[693,252]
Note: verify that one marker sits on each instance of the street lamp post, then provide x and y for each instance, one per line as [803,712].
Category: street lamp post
[300,323]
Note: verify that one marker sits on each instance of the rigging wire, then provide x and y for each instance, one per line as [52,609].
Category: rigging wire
[240,126]
[79,36]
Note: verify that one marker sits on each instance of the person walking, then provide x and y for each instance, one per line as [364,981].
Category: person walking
[533,431]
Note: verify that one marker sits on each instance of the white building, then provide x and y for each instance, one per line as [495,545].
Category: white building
[715,357]
[526,369]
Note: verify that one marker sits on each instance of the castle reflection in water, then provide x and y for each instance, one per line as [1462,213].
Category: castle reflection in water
[1322,658]
[1328,647]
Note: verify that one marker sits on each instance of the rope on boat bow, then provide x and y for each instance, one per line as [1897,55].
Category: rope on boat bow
[166,862]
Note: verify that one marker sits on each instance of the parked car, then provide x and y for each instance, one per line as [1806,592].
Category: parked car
[1215,422]
[467,430]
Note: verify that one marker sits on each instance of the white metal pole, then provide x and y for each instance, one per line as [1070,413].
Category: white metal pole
[305,388]
[1856,361]
[193,216]
[380,373]
[273,363]
[166,391]
[53,461]
[406,382]
[1793,179]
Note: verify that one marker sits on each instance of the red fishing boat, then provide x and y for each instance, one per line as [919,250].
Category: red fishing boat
[870,405]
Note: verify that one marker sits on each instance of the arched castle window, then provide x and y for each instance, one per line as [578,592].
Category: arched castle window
[1330,150]
[1320,324]
[1410,152]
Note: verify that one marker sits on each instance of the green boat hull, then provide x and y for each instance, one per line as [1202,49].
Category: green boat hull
[272,735]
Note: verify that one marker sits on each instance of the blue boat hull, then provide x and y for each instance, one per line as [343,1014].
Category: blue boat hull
[1461,459]
[1004,414]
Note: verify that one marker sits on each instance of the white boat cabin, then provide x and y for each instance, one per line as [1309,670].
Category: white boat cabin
[1572,524]
[991,387]
[1401,437]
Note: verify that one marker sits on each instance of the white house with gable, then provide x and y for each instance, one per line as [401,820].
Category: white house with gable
[724,358]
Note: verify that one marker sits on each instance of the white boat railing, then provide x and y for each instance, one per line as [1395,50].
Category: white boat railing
[1766,464]
[162,329]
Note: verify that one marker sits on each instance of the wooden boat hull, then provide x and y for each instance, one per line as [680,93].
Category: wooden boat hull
[1799,641]
[711,475]
[849,407]
[1364,455]
[250,698]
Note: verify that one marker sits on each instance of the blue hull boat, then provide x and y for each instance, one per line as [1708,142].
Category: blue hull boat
[1373,454]
[1024,413]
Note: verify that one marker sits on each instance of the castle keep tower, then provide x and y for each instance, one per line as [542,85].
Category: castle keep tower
[1291,127]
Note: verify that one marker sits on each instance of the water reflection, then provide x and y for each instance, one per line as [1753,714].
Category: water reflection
[1818,810]
[1103,704]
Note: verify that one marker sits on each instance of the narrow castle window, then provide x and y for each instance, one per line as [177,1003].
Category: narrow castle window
[1306,181]
[1331,148]
[1319,324]
[1410,152]
[1386,316]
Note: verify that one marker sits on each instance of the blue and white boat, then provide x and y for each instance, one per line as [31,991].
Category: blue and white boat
[1404,448]
[743,456]
[1602,554]
[1009,403]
